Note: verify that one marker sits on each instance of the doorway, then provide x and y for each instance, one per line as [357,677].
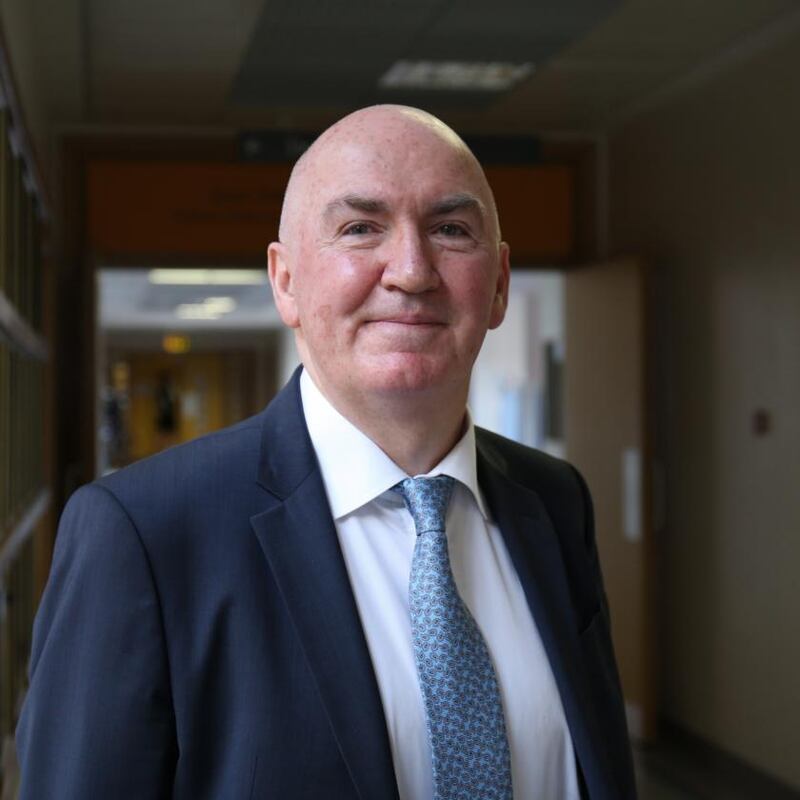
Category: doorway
[180,353]
[567,373]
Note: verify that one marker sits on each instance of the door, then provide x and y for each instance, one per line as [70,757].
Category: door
[607,431]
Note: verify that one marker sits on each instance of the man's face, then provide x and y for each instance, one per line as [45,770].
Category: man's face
[394,271]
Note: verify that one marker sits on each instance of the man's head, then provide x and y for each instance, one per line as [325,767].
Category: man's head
[390,266]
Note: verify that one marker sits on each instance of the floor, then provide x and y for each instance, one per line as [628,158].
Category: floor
[682,769]
[654,786]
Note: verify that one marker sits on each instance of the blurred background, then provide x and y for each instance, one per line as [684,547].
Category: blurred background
[645,158]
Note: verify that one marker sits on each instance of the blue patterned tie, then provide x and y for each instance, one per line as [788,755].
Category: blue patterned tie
[466,729]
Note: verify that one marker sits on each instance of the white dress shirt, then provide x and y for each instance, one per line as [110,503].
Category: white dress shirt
[377,537]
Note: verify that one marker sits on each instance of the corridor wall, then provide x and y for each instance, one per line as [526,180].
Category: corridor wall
[706,186]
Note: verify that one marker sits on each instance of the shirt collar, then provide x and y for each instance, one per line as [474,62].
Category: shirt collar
[355,470]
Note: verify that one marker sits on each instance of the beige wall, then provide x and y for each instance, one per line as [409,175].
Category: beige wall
[708,187]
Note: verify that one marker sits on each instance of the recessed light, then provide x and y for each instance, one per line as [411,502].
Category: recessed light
[490,76]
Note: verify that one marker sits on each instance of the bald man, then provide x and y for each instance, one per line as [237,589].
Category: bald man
[356,593]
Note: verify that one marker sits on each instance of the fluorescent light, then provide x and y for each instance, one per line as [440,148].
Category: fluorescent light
[493,76]
[214,277]
[196,311]
[209,308]
[221,305]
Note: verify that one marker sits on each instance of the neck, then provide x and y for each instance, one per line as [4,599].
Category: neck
[416,444]
[415,429]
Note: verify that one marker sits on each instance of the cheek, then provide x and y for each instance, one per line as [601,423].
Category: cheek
[475,300]
[328,304]
[322,314]
[318,320]
[340,286]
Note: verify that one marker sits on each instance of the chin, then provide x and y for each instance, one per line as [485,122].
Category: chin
[410,373]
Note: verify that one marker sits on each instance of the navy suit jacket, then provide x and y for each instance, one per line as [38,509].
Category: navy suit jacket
[198,637]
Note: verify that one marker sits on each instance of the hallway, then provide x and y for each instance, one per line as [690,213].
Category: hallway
[643,157]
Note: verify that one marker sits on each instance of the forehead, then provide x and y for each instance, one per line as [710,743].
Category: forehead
[395,163]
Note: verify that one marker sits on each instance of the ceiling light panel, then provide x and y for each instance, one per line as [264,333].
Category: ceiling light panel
[295,55]
[489,76]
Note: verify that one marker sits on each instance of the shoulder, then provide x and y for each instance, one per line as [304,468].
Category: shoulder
[557,484]
[534,469]
[190,505]
[184,481]
[207,459]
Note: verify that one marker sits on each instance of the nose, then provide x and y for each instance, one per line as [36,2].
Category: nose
[409,264]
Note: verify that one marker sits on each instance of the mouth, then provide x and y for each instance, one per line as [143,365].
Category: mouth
[408,319]
[406,333]
[405,328]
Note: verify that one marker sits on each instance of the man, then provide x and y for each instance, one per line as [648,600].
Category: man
[253,615]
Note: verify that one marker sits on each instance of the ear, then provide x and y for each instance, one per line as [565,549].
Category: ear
[280,268]
[500,300]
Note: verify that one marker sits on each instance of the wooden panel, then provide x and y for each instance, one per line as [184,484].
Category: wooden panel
[206,210]
[222,210]
[536,207]
[606,415]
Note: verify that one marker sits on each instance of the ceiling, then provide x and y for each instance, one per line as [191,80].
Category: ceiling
[134,313]
[233,64]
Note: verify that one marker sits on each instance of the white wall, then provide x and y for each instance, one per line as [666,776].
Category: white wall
[708,187]
[288,358]
[508,378]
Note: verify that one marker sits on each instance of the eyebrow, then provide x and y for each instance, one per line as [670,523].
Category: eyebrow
[457,202]
[355,202]
[461,201]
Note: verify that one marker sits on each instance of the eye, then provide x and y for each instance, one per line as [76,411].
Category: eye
[358,229]
[451,229]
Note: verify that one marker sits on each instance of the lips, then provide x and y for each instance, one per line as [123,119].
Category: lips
[409,319]
[420,322]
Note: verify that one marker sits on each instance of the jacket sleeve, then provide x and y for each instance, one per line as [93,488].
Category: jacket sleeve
[98,721]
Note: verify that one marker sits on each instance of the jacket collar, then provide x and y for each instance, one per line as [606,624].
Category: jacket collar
[301,547]
[536,553]
[286,458]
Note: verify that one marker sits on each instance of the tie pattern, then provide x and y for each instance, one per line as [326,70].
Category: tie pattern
[465,723]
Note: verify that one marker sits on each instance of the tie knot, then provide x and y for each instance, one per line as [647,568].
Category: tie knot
[427,499]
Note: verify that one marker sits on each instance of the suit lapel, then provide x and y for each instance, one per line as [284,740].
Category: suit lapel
[534,548]
[299,540]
